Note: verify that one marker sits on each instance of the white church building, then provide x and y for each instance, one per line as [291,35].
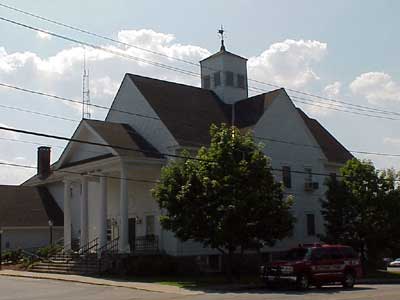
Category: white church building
[105,192]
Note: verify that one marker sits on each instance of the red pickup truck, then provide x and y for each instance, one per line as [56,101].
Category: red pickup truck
[315,265]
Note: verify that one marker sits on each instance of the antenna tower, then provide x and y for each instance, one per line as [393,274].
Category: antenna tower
[85,90]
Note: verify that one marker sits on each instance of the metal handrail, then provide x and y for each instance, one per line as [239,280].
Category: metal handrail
[93,244]
[110,246]
[146,243]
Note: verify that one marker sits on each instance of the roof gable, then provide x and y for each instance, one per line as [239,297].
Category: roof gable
[76,152]
[223,52]
[120,138]
[186,111]
[330,146]
[124,136]
[249,111]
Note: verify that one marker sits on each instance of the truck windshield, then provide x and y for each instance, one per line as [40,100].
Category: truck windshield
[295,254]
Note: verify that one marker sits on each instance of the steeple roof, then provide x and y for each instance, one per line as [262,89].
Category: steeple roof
[221,52]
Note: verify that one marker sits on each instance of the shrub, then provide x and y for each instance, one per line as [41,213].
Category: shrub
[48,251]
[12,256]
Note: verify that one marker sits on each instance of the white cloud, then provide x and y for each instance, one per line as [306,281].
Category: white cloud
[43,35]
[14,175]
[322,107]
[104,86]
[288,63]
[333,90]
[392,141]
[10,174]
[377,87]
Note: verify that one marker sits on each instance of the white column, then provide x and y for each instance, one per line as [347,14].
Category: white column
[123,212]
[102,226]
[84,212]
[67,215]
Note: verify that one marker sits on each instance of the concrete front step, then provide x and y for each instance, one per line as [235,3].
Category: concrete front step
[66,272]
[40,267]
[88,265]
[57,270]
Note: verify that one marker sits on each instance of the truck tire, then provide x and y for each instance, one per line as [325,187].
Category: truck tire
[303,282]
[348,280]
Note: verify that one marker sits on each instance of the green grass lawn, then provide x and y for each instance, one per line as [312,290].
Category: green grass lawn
[392,274]
[193,282]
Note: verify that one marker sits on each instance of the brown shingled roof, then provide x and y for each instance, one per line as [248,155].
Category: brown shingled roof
[250,110]
[333,150]
[22,206]
[185,110]
[189,111]
[223,52]
[123,135]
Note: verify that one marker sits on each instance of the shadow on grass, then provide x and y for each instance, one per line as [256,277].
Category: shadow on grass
[247,285]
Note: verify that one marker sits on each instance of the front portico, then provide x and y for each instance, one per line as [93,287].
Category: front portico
[106,187]
[113,202]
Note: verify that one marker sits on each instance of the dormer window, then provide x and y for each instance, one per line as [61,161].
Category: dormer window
[206,82]
[240,81]
[229,78]
[217,78]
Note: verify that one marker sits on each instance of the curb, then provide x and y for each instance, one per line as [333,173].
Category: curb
[76,280]
[378,281]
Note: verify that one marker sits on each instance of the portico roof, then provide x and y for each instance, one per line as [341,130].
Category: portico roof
[22,206]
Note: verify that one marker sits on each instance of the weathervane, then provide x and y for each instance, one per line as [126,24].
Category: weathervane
[221,32]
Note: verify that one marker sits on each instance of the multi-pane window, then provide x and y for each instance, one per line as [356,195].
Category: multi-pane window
[229,78]
[217,78]
[240,81]
[286,177]
[150,225]
[310,224]
[206,82]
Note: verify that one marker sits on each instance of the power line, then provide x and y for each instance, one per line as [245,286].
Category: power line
[118,53]
[158,119]
[346,111]
[38,113]
[30,142]
[186,61]
[73,100]
[98,35]
[139,150]
[186,72]
[77,173]
[301,100]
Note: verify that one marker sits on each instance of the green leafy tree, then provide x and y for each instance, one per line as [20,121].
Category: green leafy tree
[225,197]
[357,208]
[392,211]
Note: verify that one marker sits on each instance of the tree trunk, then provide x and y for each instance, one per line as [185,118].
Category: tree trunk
[240,262]
[229,266]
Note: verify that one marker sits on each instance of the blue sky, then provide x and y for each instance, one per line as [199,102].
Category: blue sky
[347,50]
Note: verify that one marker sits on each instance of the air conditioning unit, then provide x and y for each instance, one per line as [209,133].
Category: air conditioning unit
[310,186]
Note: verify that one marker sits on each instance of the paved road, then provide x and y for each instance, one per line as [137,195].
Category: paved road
[26,288]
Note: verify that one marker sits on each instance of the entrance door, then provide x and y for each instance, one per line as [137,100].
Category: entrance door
[132,233]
